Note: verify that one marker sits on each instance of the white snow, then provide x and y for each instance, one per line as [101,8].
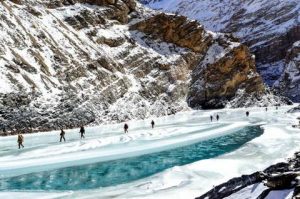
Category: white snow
[253,191]
[278,142]
[250,192]
[281,194]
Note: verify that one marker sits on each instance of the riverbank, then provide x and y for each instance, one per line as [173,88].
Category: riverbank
[280,180]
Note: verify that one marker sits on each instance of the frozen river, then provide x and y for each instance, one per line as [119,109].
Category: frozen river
[182,157]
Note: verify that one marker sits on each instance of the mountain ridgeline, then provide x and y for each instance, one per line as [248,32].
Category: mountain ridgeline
[66,63]
[271,29]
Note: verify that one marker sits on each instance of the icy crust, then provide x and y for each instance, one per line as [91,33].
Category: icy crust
[256,190]
[101,150]
[187,181]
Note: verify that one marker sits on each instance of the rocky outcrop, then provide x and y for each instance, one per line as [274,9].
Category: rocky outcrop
[175,29]
[280,176]
[118,9]
[217,78]
[289,82]
[269,28]
[276,48]
[243,99]
[220,81]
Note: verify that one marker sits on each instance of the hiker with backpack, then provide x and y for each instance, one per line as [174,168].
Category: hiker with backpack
[126,128]
[152,123]
[82,132]
[62,135]
[20,140]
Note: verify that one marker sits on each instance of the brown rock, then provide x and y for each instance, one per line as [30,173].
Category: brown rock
[175,29]
[221,80]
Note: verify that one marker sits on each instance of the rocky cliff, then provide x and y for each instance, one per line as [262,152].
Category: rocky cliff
[289,82]
[222,57]
[66,63]
[269,28]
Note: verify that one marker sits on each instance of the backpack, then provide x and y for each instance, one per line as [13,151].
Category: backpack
[20,138]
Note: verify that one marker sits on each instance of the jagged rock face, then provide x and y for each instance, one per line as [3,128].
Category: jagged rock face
[81,64]
[269,27]
[276,49]
[175,29]
[290,80]
[119,9]
[213,80]
[221,79]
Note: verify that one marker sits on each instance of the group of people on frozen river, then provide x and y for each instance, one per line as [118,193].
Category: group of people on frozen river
[62,134]
[20,138]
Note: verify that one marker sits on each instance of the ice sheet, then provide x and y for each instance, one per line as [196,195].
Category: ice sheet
[278,142]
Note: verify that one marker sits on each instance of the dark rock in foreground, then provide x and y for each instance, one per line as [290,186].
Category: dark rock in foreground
[280,176]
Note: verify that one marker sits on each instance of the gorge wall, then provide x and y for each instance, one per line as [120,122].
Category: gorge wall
[269,28]
[68,63]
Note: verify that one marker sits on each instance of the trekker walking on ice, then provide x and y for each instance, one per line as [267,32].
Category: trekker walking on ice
[218,117]
[247,113]
[62,135]
[152,124]
[126,128]
[211,118]
[82,132]
[20,140]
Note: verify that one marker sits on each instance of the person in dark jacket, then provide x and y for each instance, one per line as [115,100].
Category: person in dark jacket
[247,113]
[218,117]
[211,118]
[20,140]
[82,132]
[62,135]
[126,128]
[152,123]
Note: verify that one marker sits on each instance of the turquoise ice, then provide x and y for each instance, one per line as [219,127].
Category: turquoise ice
[184,155]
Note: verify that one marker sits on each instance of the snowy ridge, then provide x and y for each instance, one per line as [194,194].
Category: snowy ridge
[269,27]
[289,82]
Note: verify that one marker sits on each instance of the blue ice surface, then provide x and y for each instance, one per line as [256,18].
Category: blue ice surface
[126,170]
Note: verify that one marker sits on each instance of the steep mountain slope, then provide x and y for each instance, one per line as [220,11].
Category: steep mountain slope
[289,83]
[269,27]
[68,63]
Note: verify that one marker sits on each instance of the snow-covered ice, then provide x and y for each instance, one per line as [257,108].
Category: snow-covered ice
[43,152]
